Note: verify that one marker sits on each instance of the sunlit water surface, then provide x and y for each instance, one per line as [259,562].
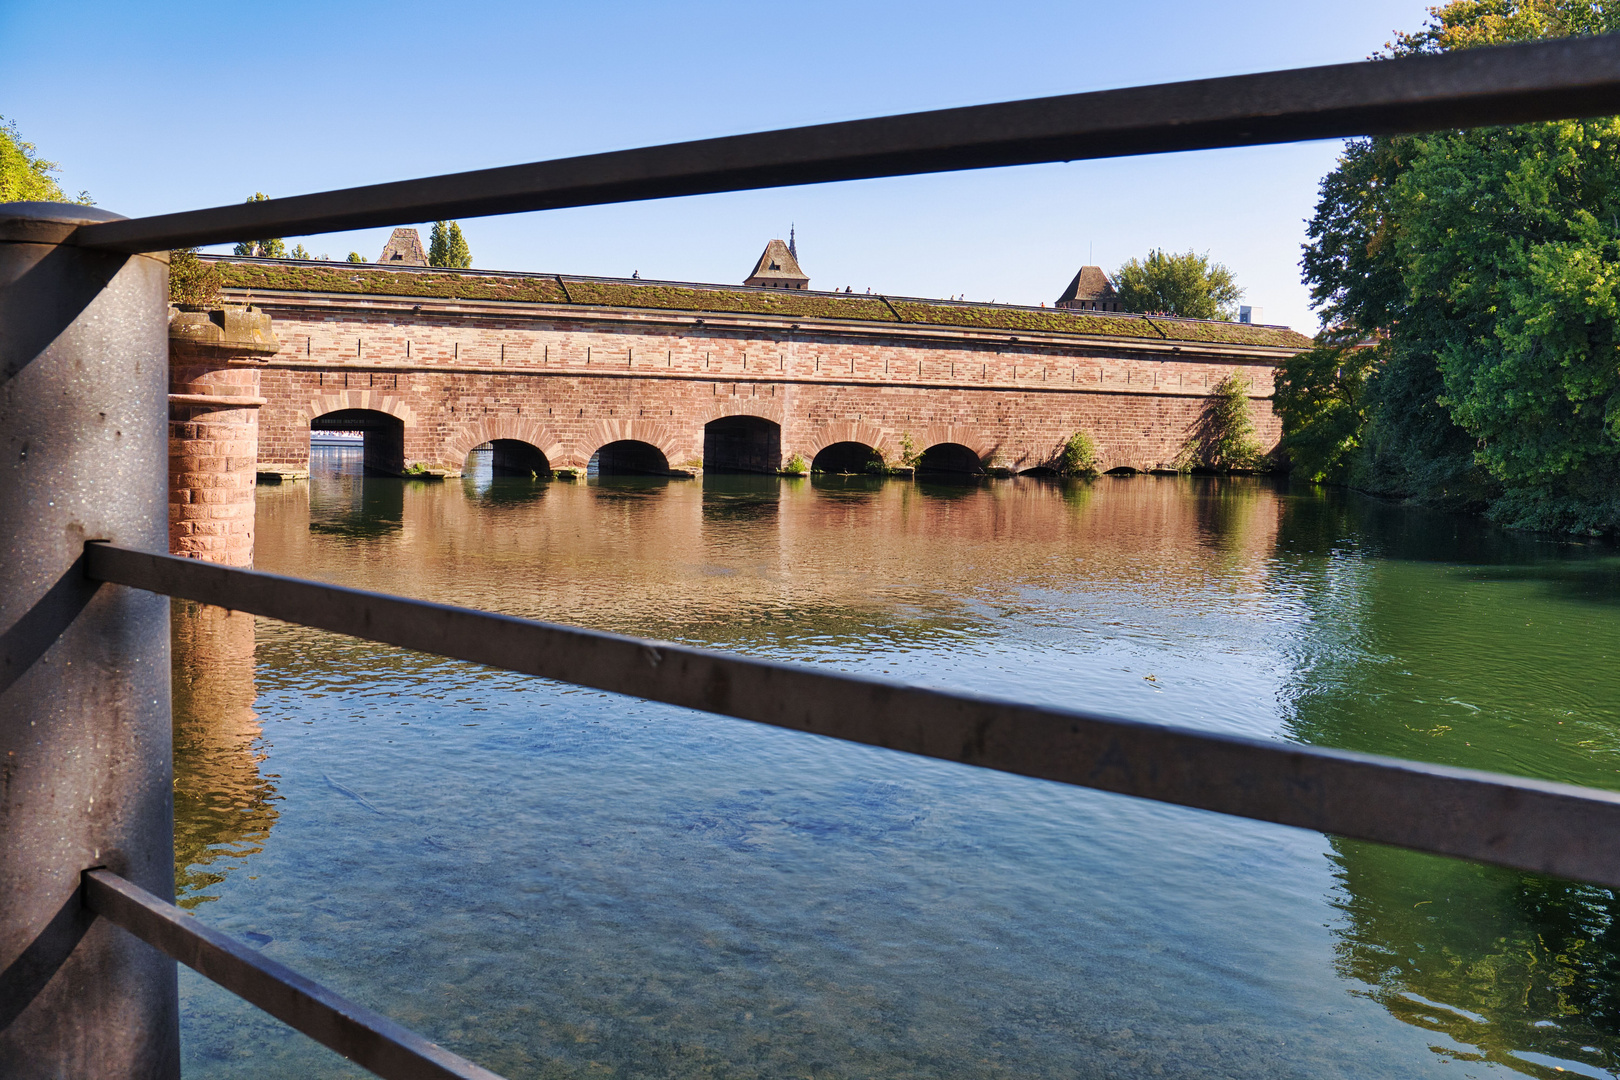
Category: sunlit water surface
[561,883]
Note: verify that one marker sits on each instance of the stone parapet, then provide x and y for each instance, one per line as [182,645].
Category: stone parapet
[214,405]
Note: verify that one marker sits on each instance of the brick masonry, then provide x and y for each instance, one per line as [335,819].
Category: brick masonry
[213,432]
[458,374]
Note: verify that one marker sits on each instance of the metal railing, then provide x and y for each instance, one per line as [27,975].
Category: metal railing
[1535,826]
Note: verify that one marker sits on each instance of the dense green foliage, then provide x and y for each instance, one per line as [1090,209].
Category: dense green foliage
[1487,262]
[1320,398]
[272,248]
[1224,438]
[1078,457]
[24,175]
[1187,285]
[191,280]
[447,247]
[355,256]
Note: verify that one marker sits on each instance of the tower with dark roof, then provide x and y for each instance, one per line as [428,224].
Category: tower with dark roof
[778,268]
[404,248]
[1090,291]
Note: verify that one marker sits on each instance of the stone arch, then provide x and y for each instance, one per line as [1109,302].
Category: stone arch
[950,458]
[766,408]
[742,442]
[383,452]
[839,431]
[973,438]
[464,437]
[671,440]
[383,401]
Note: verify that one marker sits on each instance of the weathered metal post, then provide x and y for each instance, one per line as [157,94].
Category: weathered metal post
[85,760]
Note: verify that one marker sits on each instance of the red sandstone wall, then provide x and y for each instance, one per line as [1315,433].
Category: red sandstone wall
[460,375]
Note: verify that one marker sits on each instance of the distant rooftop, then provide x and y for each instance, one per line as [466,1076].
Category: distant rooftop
[369,279]
[778,268]
[404,248]
[1090,291]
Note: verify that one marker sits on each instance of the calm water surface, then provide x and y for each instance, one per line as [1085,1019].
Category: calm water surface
[561,883]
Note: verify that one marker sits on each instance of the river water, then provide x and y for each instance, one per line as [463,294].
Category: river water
[561,883]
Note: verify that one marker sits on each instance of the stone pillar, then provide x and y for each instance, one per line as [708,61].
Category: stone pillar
[85,754]
[214,430]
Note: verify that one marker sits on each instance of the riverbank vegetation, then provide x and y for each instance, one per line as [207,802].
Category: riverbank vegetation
[1472,283]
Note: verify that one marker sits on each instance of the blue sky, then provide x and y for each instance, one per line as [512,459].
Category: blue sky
[157,107]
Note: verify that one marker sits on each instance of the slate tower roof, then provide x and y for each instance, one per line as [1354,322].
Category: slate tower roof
[778,268]
[404,248]
[1090,291]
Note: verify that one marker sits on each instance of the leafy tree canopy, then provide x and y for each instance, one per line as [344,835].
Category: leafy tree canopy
[355,256]
[1187,285]
[273,248]
[24,175]
[1487,264]
[447,247]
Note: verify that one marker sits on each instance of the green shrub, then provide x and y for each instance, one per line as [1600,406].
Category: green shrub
[796,465]
[192,281]
[1224,437]
[1079,456]
[910,455]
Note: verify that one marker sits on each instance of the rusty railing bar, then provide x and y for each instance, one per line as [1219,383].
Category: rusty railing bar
[366,1038]
[1533,825]
[1506,84]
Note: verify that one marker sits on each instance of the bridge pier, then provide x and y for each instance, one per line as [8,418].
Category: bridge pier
[85,761]
[214,430]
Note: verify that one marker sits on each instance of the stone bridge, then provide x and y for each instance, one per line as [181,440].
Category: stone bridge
[634,376]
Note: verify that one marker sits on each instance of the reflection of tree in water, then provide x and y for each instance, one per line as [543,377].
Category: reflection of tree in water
[1504,962]
[1434,662]
[223,806]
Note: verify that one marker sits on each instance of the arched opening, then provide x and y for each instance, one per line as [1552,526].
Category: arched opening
[742,444]
[381,442]
[628,457]
[950,458]
[508,458]
[1121,470]
[847,458]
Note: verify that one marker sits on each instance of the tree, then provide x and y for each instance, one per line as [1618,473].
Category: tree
[355,256]
[1489,261]
[262,249]
[192,281]
[1319,395]
[24,175]
[1186,285]
[447,247]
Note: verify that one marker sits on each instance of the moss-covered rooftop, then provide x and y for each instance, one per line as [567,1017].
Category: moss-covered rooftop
[362,279]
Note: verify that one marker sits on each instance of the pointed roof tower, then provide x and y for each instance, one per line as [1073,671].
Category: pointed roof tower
[778,268]
[404,248]
[1090,291]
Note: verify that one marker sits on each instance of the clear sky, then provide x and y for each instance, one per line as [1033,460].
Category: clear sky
[156,107]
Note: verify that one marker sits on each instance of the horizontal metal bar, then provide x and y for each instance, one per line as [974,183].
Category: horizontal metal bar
[364,1037]
[1533,825]
[1507,84]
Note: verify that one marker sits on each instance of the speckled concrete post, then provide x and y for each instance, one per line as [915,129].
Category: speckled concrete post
[214,430]
[85,753]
